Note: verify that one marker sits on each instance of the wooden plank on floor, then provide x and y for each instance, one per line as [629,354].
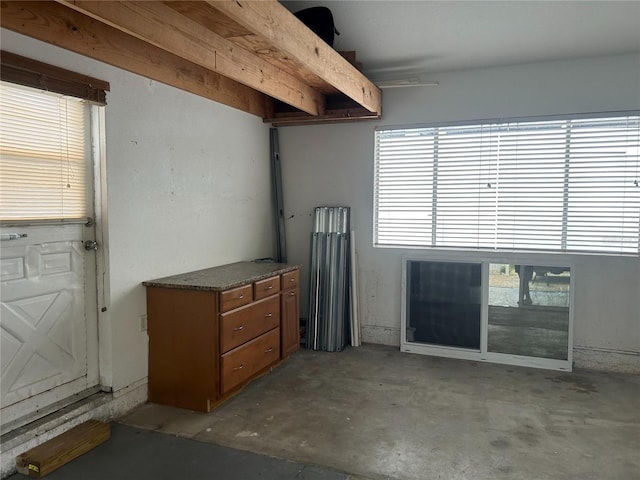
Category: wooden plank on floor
[45,458]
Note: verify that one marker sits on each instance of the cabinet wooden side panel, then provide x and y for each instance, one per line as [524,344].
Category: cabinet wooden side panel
[183,347]
[290,328]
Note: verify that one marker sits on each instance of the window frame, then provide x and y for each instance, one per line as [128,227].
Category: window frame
[483,122]
[32,74]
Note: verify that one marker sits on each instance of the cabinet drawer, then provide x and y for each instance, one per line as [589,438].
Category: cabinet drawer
[290,279]
[266,288]
[243,362]
[235,297]
[248,322]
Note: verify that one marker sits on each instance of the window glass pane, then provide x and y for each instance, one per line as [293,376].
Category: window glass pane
[556,185]
[43,155]
[404,186]
[531,170]
[603,201]
[466,188]
[443,303]
[529,310]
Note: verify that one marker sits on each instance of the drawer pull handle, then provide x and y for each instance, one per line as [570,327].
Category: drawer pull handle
[241,296]
[292,279]
[269,287]
[268,350]
[238,368]
[268,315]
[237,329]
[292,294]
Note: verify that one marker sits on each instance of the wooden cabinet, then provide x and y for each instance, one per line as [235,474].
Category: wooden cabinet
[212,331]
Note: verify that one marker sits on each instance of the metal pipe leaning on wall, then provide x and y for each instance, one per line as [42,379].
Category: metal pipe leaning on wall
[328,325]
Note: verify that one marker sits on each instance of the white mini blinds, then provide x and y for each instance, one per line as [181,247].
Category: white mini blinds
[44,151]
[555,185]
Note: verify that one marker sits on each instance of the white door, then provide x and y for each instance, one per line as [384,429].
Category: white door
[48,318]
[48,308]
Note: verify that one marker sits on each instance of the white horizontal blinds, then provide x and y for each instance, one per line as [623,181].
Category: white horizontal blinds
[43,155]
[466,186]
[531,185]
[557,185]
[604,197]
[403,190]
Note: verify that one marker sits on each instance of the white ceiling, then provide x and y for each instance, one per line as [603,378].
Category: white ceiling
[396,39]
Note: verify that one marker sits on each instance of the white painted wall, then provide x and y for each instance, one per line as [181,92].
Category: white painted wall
[333,165]
[188,188]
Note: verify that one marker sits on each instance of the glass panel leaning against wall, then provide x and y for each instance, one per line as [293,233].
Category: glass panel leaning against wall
[514,313]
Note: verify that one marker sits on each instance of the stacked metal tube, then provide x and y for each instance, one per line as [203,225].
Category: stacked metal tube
[328,326]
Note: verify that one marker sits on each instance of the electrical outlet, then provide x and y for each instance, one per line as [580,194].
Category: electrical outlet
[143,323]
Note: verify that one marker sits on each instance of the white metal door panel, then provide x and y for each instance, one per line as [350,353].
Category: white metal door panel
[48,318]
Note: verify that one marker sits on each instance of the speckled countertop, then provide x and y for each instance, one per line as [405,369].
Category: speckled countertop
[222,277]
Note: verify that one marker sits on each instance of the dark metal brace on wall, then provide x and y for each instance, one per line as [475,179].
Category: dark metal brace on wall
[276,178]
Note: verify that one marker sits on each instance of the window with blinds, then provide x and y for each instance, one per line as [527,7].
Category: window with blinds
[44,149]
[555,185]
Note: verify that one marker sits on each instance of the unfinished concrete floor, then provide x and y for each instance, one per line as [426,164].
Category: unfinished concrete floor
[134,454]
[378,413]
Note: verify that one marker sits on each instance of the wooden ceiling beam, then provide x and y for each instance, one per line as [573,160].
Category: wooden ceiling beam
[218,22]
[253,55]
[339,109]
[161,26]
[330,116]
[63,27]
[270,20]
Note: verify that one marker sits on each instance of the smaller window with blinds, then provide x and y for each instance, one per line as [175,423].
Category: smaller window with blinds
[560,185]
[44,155]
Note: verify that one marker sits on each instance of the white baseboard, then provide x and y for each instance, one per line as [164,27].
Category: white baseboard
[589,358]
[100,406]
[381,335]
[606,360]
